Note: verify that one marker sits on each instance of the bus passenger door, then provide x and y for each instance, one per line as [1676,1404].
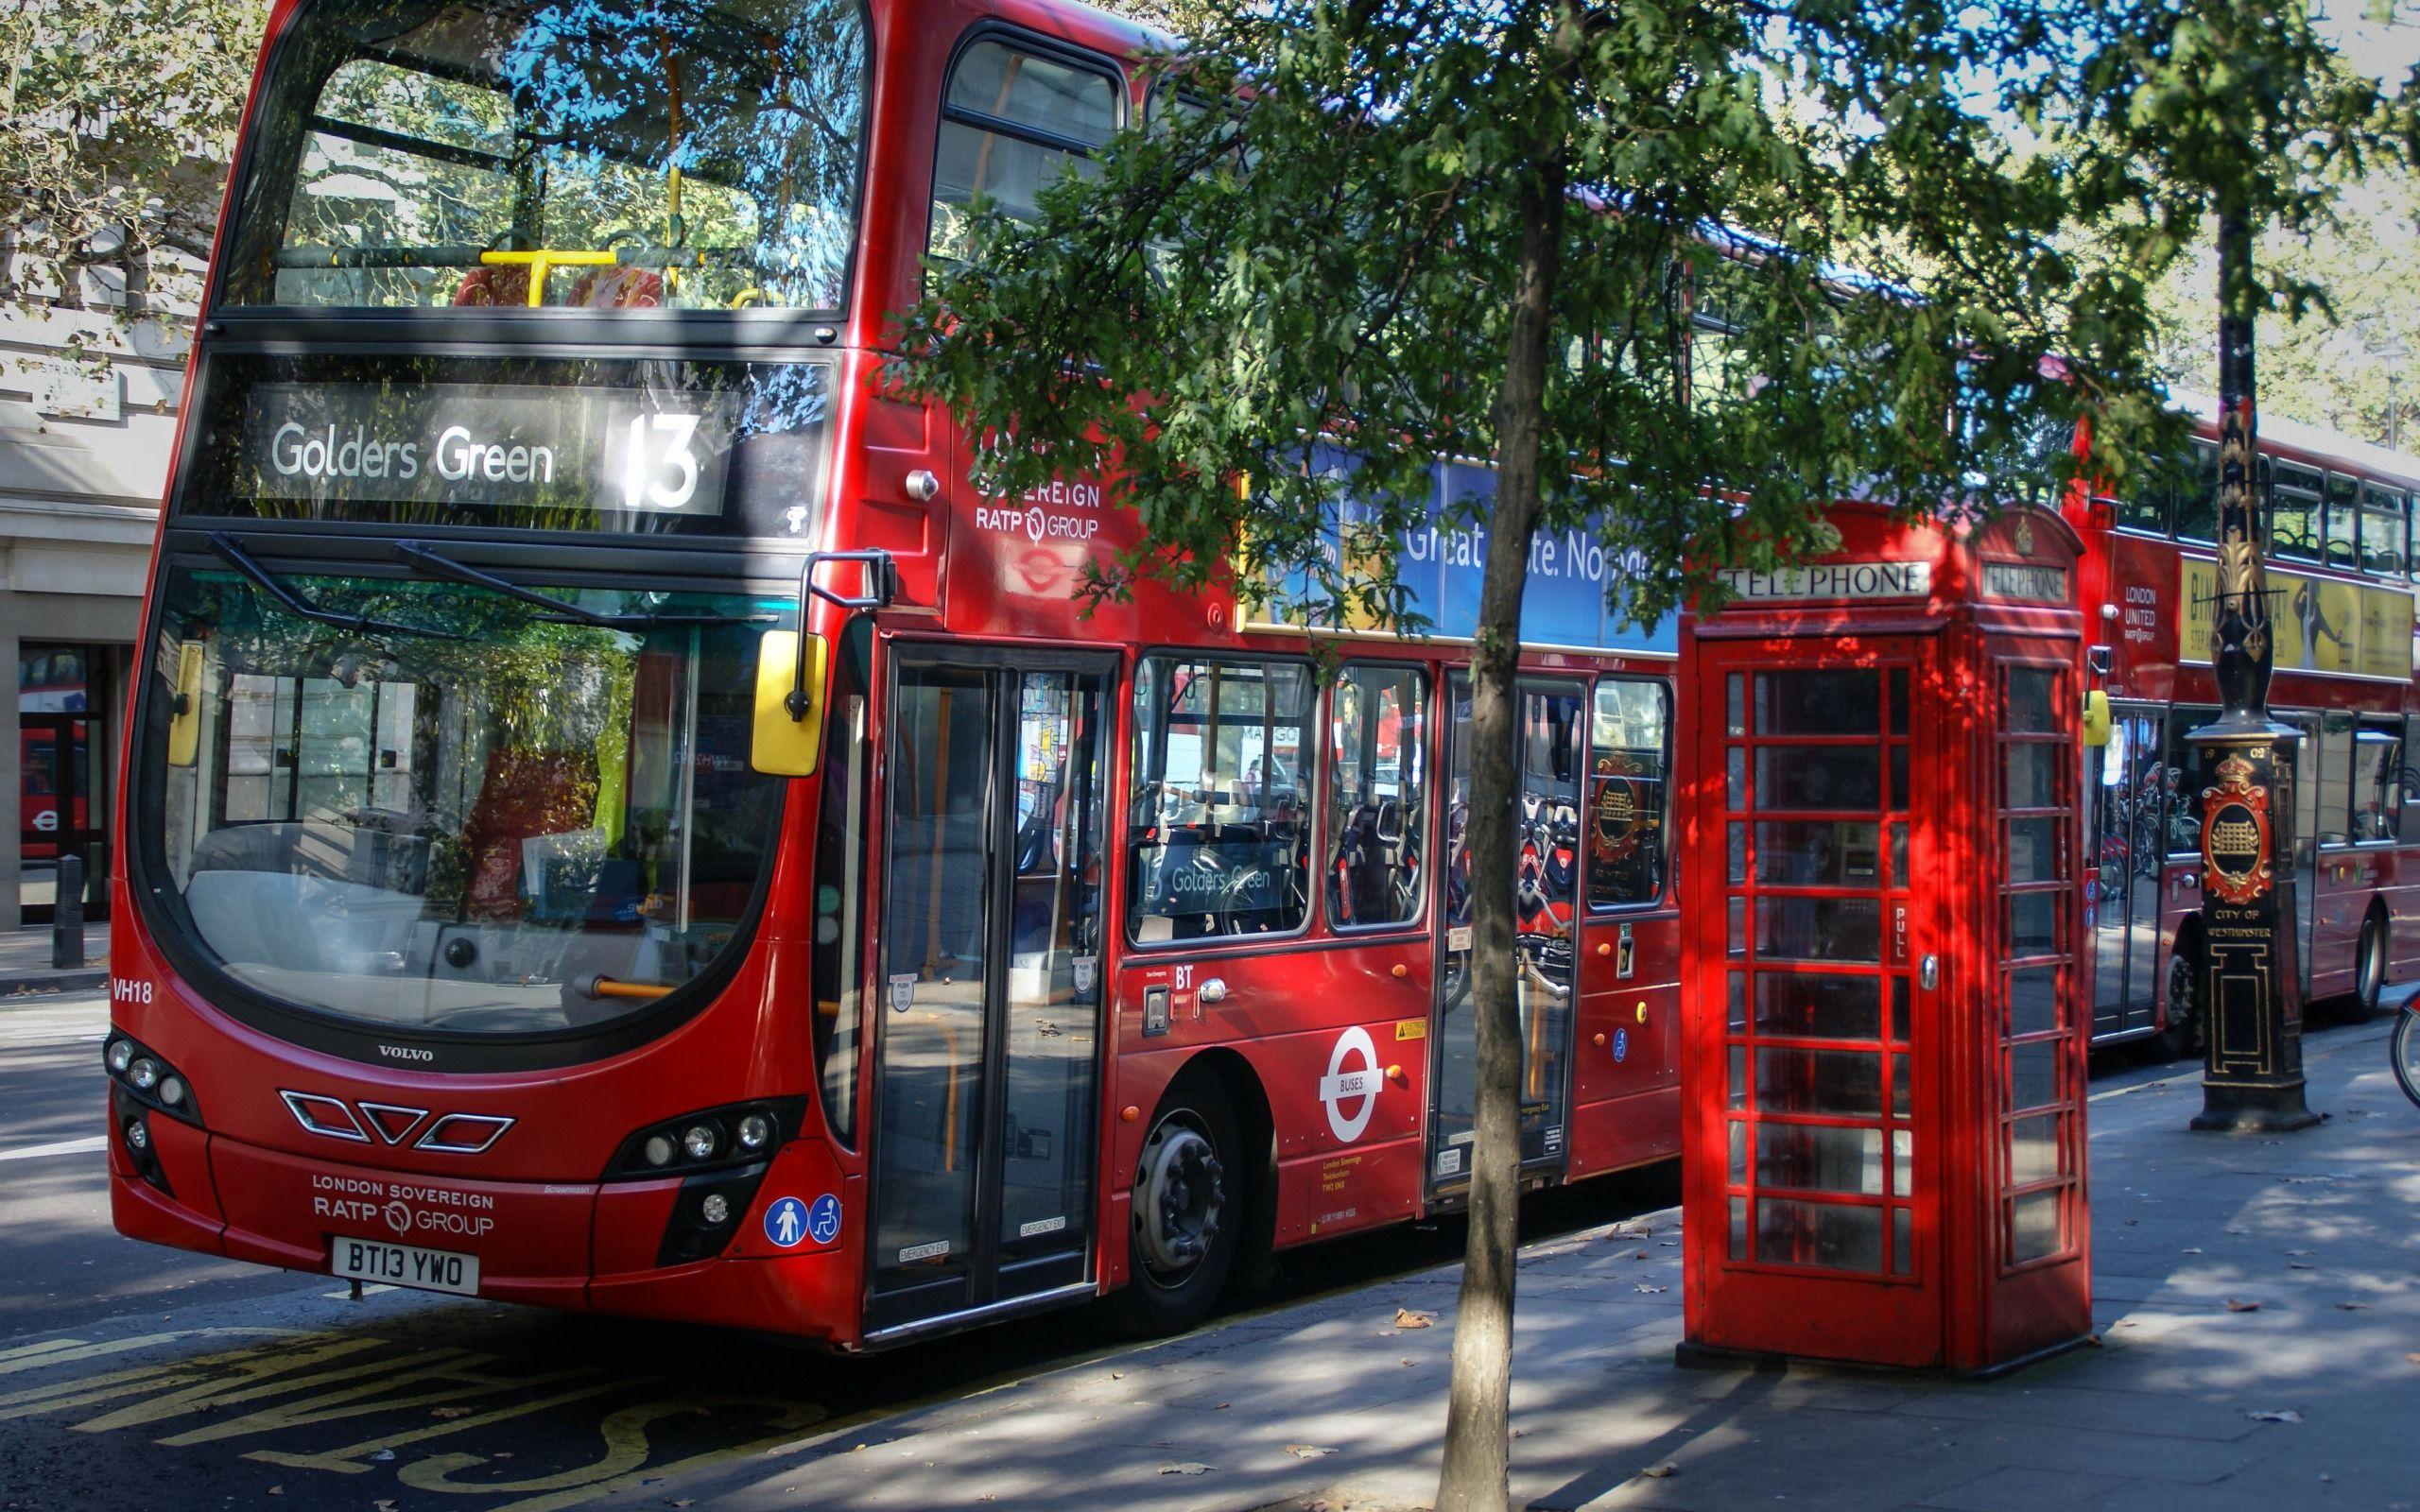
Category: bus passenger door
[1549,728]
[989,1052]
[2127,811]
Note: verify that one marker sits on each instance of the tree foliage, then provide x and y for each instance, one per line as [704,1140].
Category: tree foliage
[116,120]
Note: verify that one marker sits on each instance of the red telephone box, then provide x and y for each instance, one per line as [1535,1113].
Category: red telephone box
[1883,994]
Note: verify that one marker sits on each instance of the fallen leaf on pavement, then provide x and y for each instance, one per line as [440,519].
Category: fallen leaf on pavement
[2352,1306]
[1407,1318]
[1644,1287]
[2411,1359]
[2300,1264]
[1660,1471]
[2236,1306]
[1307,1451]
[449,1412]
[2194,1250]
[2280,1415]
[1191,1467]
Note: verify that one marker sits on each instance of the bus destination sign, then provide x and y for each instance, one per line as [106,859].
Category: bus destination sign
[491,446]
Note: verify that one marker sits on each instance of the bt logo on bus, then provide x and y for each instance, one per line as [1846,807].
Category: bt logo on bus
[1357,1087]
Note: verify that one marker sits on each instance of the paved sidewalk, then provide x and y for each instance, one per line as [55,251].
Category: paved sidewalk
[1329,1405]
[24,962]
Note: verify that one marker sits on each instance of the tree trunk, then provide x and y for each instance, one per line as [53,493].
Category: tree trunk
[1477,1474]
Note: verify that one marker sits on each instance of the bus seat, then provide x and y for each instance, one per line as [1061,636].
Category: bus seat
[525,793]
[598,288]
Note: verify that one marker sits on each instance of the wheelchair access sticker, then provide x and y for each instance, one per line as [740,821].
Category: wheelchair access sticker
[789,1220]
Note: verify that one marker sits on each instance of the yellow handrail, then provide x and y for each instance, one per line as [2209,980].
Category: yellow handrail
[544,259]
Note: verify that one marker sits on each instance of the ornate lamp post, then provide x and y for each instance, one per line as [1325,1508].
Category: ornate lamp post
[2252,1072]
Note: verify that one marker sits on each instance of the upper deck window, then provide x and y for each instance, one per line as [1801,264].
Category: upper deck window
[2382,531]
[2295,513]
[2343,527]
[692,154]
[1014,120]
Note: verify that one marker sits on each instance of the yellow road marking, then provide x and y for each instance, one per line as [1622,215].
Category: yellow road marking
[469,1373]
[354,1458]
[625,1461]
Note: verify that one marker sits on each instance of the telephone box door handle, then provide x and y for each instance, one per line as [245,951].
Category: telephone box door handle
[1930,974]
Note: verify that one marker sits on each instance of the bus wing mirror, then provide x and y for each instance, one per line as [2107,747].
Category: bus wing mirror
[184,706]
[2096,718]
[789,734]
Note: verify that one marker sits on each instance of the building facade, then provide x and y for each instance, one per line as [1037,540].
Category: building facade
[84,444]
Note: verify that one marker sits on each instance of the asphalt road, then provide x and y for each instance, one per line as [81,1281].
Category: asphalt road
[135,1377]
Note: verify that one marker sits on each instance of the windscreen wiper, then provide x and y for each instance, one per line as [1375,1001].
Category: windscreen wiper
[421,560]
[223,546]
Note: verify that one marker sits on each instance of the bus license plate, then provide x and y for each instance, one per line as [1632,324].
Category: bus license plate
[432,1270]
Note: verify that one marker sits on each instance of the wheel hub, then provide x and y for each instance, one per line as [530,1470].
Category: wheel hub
[1179,1199]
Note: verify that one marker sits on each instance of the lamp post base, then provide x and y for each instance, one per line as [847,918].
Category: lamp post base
[2268,1108]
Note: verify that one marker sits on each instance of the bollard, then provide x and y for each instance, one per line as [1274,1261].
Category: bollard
[67,917]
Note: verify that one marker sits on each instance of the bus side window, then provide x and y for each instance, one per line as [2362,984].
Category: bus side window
[2296,513]
[2334,779]
[1218,830]
[2406,784]
[1378,791]
[2181,780]
[2382,531]
[1627,768]
[2378,787]
[1014,122]
[2197,496]
[2343,522]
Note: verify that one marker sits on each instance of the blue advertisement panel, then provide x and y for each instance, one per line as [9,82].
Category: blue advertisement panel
[1440,564]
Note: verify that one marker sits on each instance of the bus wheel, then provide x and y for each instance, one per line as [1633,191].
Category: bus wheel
[2182,1035]
[2368,968]
[1187,1214]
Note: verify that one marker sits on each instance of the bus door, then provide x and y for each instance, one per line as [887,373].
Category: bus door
[991,986]
[2126,788]
[2307,764]
[1550,732]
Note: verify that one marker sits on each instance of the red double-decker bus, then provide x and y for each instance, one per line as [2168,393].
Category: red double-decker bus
[2338,526]
[616,821]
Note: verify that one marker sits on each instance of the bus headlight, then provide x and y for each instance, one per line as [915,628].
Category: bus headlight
[145,1078]
[715,1138]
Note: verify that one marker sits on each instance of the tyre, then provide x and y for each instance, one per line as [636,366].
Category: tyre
[2407,1053]
[2181,1035]
[2368,968]
[1188,1216]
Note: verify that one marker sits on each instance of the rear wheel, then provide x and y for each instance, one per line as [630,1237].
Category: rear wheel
[2181,1034]
[2369,966]
[1187,1214]
[2407,1053]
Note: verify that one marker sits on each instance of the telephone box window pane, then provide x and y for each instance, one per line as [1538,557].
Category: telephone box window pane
[1819,1233]
[2033,775]
[1734,786]
[1846,1083]
[1738,944]
[1736,695]
[2033,1150]
[2032,693]
[1899,1010]
[1818,929]
[1818,703]
[2033,1227]
[1898,855]
[1898,779]
[1903,1241]
[1815,854]
[1900,1096]
[1903,1158]
[1739,1228]
[1737,874]
[1739,1152]
[2033,924]
[2033,850]
[1738,1003]
[1818,1159]
[2033,1001]
[1739,1077]
[1898,700]
[2033,1075]
[1818,777]
[1819,1007]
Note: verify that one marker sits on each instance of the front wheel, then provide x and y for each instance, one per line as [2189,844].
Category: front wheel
[2181,1035]
[1187,1214]
[2407,1053]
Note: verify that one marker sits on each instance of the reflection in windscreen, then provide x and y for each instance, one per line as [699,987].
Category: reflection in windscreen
[698,154]
[458,835]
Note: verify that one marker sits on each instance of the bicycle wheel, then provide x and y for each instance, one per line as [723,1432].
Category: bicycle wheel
[2407,1053]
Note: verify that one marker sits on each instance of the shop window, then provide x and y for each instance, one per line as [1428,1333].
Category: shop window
[1378,791]
[1219,828]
